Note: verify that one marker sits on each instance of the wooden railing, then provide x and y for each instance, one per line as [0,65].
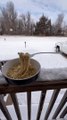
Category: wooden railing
[42,86]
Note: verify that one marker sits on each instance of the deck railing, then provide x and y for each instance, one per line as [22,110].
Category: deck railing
[43,86]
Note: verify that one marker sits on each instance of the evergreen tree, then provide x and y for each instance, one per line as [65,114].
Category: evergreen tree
[43,27]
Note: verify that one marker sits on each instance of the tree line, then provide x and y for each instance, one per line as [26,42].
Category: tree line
[12,24]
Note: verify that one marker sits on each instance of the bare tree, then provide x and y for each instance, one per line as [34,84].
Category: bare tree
[9,17]
[22,24]
[65,29]
[29,24]
[26,24]
[58,24]
[1,26]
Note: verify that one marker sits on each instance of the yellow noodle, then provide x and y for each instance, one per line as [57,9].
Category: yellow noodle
[23,69]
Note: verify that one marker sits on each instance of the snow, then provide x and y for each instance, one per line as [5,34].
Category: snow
[11,45]
[51,60]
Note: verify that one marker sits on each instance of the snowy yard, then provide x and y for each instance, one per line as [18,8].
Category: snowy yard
[11,45]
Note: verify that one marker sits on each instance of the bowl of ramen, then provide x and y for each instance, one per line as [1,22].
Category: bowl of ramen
[22,70]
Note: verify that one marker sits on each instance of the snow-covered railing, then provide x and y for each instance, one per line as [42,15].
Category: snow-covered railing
[38,85]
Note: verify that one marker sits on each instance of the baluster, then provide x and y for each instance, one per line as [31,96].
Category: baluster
[63,113]
[42,98]
[61,104]
[4,109]
[29,105]
[51,103]
[16,106]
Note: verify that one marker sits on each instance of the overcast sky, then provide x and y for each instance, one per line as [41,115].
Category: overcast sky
[50,8]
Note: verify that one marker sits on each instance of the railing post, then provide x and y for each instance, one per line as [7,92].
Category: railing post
[63,101]
[4,109]
[42,98]
[63,113]
[16,106]
[51,103]
[29,105]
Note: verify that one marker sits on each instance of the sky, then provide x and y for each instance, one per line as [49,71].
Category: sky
[50,8]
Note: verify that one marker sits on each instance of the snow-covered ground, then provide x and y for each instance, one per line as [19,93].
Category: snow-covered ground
[11,45]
